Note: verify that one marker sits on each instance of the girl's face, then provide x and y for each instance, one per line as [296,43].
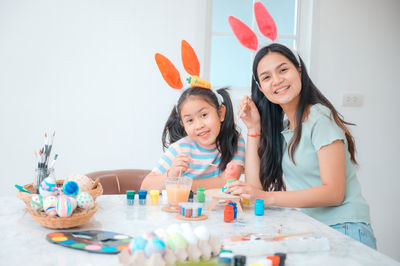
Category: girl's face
[280,81]
[202,122]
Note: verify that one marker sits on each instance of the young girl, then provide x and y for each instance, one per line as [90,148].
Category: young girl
[201,138]
[294,131]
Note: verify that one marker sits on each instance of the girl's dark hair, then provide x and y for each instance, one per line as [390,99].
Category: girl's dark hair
[227,140]
[271,146]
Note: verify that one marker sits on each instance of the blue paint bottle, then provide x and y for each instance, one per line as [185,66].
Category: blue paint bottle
[142,197]
[259,207]
[234,209]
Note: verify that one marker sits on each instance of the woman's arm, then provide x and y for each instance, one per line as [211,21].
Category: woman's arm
[251,118]
[330,193]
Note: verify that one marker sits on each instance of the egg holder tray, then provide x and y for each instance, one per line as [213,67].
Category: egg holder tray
[79,216]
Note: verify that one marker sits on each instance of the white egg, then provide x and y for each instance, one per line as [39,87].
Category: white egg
[202,232]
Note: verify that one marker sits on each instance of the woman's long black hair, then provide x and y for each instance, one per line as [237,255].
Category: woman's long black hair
[227,140]
[271,145]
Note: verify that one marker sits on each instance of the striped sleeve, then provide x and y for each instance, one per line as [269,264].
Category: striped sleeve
[239,155]
[166,159]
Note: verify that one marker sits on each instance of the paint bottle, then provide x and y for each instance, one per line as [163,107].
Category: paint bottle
[234,209]
[228,213]
[226,185]
[259,207]
[239,260]
[225,257]
[142,197]
[154,194]
[201,197]
[130,197]
[190,199]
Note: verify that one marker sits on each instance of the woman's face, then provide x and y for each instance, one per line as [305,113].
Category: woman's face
[280,81]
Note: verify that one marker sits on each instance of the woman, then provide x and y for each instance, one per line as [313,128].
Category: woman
[294,131]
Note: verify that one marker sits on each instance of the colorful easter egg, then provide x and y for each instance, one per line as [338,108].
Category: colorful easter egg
[155,245]
[85,200]
[37,202]
[73,203]
[50,205]
[176,240]
[70,188]
[138,243]
[84,182]
[58,192]
[64,206]
[48,186]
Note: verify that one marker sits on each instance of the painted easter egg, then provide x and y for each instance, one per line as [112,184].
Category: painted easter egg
[73,203]
[50,205]
[48,186]
[70,188]
[155,245]
[37,202]
[64,206]
[138,243]
[176,240]
[161,233]
[58,192]
[84,182]
[85,200]
[149,235]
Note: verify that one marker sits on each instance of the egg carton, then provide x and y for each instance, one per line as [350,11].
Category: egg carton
[182,244]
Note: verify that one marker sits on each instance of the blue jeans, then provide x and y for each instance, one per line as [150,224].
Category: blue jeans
[359,231]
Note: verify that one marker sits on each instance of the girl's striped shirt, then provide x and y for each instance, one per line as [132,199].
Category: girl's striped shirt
[204,161]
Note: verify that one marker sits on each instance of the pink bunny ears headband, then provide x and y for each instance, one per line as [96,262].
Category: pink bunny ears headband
[192,66]
[266,25]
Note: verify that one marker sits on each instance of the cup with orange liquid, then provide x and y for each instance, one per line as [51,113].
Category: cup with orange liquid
[178,189]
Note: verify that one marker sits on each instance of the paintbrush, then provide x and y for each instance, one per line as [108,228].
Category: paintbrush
[21,188]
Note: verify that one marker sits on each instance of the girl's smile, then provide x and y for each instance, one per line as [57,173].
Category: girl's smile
[201,120]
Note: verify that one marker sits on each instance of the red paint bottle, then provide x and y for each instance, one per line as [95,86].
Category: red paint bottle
[228,213]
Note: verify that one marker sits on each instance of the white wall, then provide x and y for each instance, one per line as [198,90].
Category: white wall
[355,47]
[86,70]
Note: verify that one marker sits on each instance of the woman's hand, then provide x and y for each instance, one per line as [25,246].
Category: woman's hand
[248,112]
[245,190]
[180,164]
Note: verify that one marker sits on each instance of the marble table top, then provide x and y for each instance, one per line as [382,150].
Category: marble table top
[24,240]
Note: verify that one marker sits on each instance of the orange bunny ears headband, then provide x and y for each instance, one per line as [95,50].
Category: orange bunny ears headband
[266,25]
[190,63]
[192,66]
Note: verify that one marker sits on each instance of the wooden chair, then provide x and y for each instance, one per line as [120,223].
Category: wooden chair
[119,181]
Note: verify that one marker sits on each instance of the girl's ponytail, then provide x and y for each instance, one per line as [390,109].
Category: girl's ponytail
[173,129]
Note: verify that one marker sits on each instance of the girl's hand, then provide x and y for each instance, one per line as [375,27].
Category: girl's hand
[245,190]
[180,164]
[248,112]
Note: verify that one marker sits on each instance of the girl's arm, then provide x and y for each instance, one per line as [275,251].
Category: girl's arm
[330,193]
[214,182]
[153,181]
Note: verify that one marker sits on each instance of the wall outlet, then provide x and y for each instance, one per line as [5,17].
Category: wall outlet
[352,99]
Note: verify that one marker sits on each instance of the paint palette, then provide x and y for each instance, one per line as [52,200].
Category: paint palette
[95,241]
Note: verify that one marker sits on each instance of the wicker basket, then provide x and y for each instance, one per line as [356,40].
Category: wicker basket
[78,217]
[26,197]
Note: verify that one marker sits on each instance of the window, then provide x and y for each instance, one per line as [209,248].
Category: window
[230,62]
